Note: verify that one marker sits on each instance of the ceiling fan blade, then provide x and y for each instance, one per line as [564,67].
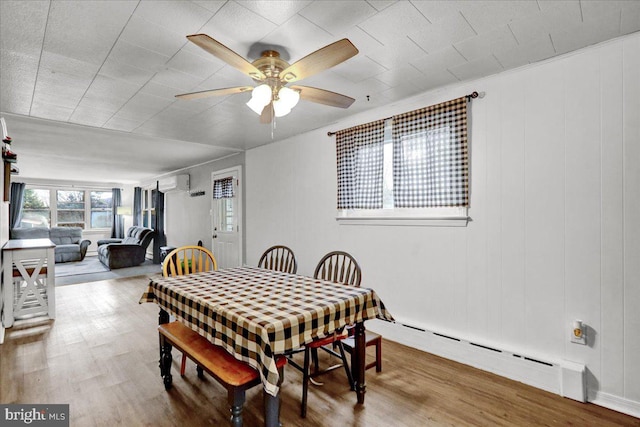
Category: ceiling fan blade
[322,96]
[322,59]
[267,114]
[215,92]
[222,52]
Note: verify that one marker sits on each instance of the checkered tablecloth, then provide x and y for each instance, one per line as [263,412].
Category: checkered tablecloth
[256,313]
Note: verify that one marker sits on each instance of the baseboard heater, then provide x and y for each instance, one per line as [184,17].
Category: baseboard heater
[565,378]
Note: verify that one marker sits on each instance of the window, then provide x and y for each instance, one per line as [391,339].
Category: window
[101,209]
[409,169]
[35,209]
[148,208]
[70,205]
[66,208]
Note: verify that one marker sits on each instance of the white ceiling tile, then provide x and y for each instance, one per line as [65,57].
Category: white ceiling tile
[86,30]
[593,10]
[210,5]
[162,91]
[396,21]
[358,68]
[194,64]
[338,16]
[630,19]
[396,53]
[399,76]
[17,81]
[399,92]
[536,50]
[107,87]
[381,4]
[299,37]
[173,78]
[568,39]
[276,11]
[437,11]
[153,37]
[138,57]
[180,17]
[483,16]
[362,41]
[478,68]
[441,60]
[119,123]
[442,33]
[126,72]
[55,63]
[496,41]
[50,111]
[237,27]
[556,14]
[437,79]
[90,116]
[22,25]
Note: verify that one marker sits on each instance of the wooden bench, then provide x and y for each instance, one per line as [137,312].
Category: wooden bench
[235,375]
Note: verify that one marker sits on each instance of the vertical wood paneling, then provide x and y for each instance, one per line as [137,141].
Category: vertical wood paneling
[612,283]
[544,207]
[477,229]
[631,136]
[494,217]
[512,117]
[555,209]
[582,219]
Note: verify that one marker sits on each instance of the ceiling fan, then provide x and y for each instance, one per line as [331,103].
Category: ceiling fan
[273,97]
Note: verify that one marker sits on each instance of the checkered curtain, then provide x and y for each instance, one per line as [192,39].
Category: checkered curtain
[223,188]
[360,152]
[430,156]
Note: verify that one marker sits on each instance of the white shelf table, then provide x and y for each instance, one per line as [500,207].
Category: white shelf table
[28,285]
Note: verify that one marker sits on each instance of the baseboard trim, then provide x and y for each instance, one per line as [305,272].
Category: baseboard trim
[616,403]
[536,371]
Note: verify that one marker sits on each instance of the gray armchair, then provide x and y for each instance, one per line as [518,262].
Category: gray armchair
[127,252]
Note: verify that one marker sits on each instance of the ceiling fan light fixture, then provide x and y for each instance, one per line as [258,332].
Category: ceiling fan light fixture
[280,108]
[289,96]
[260,97]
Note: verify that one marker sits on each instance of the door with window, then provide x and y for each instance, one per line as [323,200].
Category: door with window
[226,209]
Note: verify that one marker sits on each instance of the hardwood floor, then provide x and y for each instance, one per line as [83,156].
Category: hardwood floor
[101,357]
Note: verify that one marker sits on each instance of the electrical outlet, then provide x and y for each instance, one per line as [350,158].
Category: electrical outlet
[578,332]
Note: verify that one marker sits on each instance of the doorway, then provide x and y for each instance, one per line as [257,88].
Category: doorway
[226,209]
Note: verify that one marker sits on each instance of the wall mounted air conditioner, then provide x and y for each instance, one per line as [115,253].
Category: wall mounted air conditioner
[174,183]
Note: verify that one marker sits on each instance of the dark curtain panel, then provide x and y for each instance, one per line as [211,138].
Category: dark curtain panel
[137,206]
[360,165]
[15,204]
[160,239]
[117,223]
[431,156]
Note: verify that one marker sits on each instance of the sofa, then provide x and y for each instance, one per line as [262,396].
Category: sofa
[127,252]
[70,246]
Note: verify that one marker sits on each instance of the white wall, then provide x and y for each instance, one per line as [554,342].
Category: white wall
[188,219]
[555,185]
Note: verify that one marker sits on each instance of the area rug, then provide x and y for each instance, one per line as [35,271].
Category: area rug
[88,265]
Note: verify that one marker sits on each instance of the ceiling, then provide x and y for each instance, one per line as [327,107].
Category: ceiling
[88,87]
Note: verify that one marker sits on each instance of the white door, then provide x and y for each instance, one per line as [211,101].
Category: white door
[226,209]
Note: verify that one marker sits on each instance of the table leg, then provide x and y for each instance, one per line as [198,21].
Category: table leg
[358,361]
[272,405]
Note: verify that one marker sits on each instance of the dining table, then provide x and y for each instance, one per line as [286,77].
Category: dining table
[257,314]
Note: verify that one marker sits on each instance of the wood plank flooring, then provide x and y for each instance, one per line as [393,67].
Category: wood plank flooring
[101,357]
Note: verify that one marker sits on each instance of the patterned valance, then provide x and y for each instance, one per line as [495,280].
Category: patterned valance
[223,188]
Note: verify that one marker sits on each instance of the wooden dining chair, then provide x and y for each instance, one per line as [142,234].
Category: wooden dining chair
[279,258]
[187,260]
[338,267]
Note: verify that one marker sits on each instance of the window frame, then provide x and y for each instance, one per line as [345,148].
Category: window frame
[53,205]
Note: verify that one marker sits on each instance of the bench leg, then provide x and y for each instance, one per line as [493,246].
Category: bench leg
[165,362]
[165,353]
[236,401]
